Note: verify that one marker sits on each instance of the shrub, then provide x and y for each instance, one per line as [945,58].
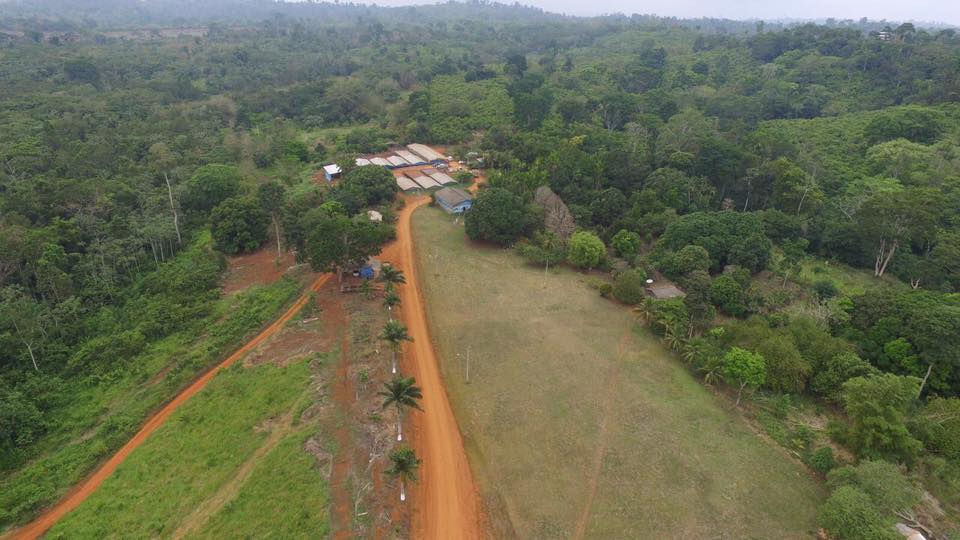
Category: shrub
[849,514]
[626,243]
[877,407]
[727,294]
[822,460]
[690,258]
[628,286]
[586,250]
[837,370]
[824,289]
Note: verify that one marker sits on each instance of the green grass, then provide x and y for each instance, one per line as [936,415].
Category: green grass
[285,497]
[551,362]
[191,456]
[849,280]
[99,415]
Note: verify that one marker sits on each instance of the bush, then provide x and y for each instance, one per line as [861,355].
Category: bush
[727,294]
[849,514]
[877,407]
[626,243]
[628,286]
[824,289]
[586,250]
[209,186]
[690,258]
[822,460]
[837,370]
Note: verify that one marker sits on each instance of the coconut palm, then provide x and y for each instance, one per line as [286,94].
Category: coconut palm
[391,300]
[390,274]
[401,392]
[405,463]
[394,333]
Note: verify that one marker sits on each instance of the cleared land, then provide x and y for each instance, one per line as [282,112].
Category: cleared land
[192,460]
[578,423]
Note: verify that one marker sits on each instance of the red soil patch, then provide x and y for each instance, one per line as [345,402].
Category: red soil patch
[258,268]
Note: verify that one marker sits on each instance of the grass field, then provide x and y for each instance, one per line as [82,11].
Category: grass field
[179,474]
[576,420]
[97,417]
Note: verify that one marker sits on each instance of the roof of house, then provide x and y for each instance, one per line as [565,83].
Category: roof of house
[443,178]
[406,184]
[397,161]
[363,162]
[380,161]
[425,152]
[410,156]
[332,168]
[453,196]
[664,290]
[425,181]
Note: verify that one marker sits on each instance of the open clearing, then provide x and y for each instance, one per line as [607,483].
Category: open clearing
[578,423]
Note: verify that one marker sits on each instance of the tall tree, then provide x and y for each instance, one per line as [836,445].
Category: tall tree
[402,393]
[404,464]
[394,333]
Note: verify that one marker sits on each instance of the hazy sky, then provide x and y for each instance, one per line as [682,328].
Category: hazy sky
[947,11]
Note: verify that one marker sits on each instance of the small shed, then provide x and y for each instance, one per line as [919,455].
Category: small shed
[454,200]
[331,172]
[664,291]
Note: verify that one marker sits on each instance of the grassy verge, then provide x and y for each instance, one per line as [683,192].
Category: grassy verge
[576,419]
[191,456]
[99,415]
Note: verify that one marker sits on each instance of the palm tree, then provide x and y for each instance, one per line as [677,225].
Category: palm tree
[645,310]
[391,299]
[405,463]
[394,333]
[401,392]
[390,274]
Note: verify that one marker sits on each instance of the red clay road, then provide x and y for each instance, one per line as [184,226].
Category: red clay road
[445,505]
[80,492]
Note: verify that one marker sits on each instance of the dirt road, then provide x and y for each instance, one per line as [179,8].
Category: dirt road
[446,504]
[79,493]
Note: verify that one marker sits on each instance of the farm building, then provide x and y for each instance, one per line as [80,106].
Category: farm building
[454,200]
[426,153]
[363,162]
[411,158]
[397,161]
[331,172]
[406,184]
[380,161]
[423,180]
[441,177]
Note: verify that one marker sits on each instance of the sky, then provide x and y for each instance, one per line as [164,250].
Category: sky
[944,11]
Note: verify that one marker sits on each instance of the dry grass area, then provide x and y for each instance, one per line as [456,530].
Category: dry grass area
[578,423]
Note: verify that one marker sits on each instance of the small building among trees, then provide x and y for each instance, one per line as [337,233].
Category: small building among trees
[331,172]
[454,200]
[663,291]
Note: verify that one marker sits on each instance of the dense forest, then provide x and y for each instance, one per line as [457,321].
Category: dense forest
[800,183]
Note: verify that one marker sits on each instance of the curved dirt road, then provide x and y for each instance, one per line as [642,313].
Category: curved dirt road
[446,504]
[79,493]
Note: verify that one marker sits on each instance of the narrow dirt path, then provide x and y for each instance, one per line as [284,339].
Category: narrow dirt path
[341,514]
[612,375]
[228,491]
[78,494]
[445,502]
